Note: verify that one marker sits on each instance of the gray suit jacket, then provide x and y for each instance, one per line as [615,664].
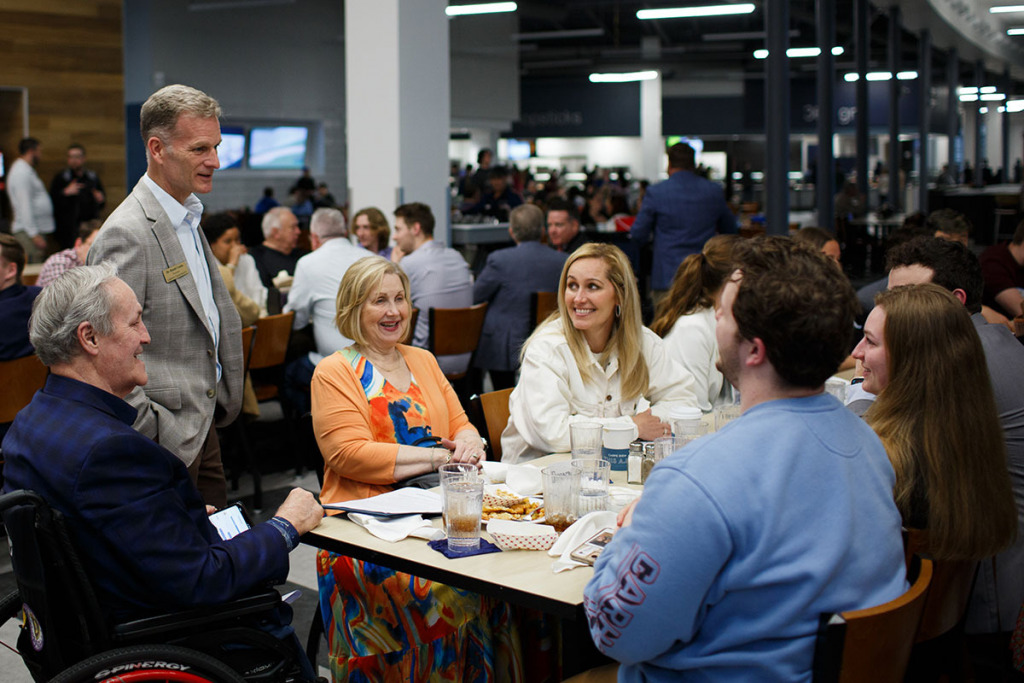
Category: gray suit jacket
[178,403]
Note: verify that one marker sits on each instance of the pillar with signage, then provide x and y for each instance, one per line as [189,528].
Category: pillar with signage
[397,105]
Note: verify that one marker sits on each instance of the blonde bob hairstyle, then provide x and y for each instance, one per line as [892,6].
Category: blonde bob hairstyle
[361,280]
[626,338]
[938,420]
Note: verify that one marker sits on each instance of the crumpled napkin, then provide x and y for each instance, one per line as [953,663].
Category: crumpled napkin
[524,480]
[393,529]
[495,471]
[582,529]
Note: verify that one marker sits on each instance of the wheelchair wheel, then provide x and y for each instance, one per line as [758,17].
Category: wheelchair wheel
[167,663]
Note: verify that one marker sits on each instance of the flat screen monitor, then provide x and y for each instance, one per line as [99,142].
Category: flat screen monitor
[278,147]
[519,150]
[232,147]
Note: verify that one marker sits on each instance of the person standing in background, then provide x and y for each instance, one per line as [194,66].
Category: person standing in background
[33,211]
[77,195]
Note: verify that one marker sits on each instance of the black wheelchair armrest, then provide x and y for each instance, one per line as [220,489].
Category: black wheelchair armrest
[255,603]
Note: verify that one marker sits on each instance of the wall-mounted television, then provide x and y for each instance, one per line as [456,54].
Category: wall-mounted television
[520,150]
[278,147]
[232,147]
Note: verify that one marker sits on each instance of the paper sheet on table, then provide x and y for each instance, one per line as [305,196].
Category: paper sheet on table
[409,501]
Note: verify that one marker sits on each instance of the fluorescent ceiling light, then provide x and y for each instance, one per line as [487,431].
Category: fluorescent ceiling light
[983,110]
[967,90]
[993,97]
[1015,31]
[881,76]
[684,12]
[1001,109]
[628,77]
[1013,106]
[552,35]
[906,75]
[1002,9]
[484,8]
[796,52]
[968,98]
[851,77]
[987,89]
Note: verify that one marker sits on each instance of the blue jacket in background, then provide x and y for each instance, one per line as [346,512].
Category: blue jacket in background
[506,282]
[684,212]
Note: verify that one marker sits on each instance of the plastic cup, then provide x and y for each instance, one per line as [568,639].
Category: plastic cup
[463,505]
[615,449]
[725,414]
[462,500]
[585,440]
[594,478]
[560,487]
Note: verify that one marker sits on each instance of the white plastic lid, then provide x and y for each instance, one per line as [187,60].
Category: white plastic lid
[685,413]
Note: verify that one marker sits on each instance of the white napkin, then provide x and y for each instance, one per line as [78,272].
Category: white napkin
[524,480]
[495,471]
[393,529]
[581,530]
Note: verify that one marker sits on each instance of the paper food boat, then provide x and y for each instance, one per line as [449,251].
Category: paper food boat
[512,535]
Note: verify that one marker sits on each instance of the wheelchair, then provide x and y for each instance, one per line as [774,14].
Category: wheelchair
[64,637]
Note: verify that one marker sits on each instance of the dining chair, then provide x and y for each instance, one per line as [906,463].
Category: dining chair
[542,304]
[493,407]
[938,646]
[414,316]
[268,353]
[455,331]
[21,378]
[873,644]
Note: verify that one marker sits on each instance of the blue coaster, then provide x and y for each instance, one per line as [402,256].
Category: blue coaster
[485,547]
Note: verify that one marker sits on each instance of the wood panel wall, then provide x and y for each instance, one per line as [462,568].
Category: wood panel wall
[68,55]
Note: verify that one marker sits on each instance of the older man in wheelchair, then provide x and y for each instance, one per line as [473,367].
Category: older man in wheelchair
[119,568]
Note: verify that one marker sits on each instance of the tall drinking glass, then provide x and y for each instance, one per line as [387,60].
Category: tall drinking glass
[585,440]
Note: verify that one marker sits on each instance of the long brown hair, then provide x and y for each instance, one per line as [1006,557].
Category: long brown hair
[697,282]
[938,420]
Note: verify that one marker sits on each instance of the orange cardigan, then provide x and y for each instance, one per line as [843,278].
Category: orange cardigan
[355,465]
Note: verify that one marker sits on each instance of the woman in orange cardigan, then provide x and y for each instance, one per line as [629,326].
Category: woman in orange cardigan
[384,412]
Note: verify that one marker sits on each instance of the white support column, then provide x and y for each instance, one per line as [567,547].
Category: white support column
[650,130]
[397,105]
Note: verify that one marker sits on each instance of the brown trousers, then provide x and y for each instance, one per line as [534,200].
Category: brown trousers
[207,472]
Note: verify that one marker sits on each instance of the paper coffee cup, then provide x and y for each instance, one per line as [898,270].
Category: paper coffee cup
[616,444]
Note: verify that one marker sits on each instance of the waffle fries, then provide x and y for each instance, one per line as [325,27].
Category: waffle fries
[505,505]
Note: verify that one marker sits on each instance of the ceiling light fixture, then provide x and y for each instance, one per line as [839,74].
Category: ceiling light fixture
[684,12]
[993,97]
[797,52]
[1003,9]
[1015,31]
[553,35]
[1013,106]
[968,98]
[627,77]
[483,8]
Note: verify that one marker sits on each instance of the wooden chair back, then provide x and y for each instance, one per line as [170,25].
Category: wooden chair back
[455,330]
[950,591]
[873,644]
[542,304]
[248,337]
[269,349]
[494,406]
[21,378]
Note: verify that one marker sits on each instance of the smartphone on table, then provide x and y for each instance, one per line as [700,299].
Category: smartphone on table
[588,551]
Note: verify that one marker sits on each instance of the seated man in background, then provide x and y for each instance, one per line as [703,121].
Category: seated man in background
[741,540]
[950,224]
[135,516]
[508,279]
[1002,267]
[313,296]
[438,275]
[564,226]
[70,258]
[278,251]
[15,301]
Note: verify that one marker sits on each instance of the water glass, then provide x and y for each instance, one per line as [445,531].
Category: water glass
[462,500]
[594,478]
[725,414]
[585,440]
[560,490]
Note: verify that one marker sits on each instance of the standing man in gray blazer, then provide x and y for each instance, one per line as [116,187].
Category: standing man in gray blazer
[194,361]
[506,282]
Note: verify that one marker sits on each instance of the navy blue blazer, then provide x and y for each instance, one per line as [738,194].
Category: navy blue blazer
[506,282]
[15,309]
[137,520]
[684,212]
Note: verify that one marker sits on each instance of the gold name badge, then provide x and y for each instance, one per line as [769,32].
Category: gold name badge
[174,272]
